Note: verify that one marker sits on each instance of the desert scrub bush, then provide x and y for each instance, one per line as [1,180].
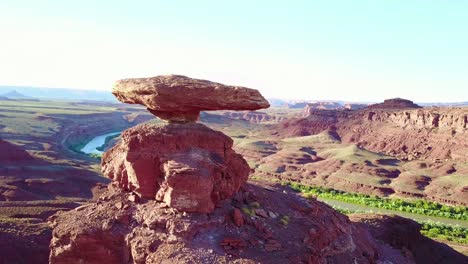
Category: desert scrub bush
[248,211]
[414,206]
[284,220]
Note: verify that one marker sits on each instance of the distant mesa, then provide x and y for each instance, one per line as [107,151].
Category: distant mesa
[310,108]
[178,98]
[325,105]
[355,106]
[395,103]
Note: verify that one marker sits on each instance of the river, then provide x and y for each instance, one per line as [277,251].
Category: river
[93,144]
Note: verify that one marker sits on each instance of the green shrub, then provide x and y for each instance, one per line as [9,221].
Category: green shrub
[248,211]
[284,220]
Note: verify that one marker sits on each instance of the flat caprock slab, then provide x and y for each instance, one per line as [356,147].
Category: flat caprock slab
[179,98]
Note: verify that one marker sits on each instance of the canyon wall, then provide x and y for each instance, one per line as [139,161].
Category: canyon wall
[435,133]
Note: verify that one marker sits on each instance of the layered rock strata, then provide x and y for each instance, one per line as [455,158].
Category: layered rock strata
[189,166]
[178,98]
[429,133]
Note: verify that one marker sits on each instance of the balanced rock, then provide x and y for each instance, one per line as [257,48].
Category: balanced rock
[188,166]
[178,98]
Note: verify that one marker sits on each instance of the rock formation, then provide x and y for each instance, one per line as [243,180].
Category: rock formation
[178,98]
[189,166]
[179,195]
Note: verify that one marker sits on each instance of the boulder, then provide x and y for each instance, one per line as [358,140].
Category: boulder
[178,98]
[188,166]
[237,217]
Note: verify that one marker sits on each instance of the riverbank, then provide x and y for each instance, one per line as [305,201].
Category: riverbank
[97,142]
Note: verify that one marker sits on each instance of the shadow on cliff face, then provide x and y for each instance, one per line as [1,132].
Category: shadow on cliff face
[25,247]
[404,234]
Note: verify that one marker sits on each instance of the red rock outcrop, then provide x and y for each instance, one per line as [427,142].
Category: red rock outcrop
[178,98]
[296,230]
[189,166]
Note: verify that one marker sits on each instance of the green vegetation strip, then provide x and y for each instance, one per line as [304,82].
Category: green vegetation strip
[431,229]
[414,206]
[445,232]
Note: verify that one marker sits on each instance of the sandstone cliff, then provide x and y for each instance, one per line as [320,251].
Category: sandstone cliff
[435,133]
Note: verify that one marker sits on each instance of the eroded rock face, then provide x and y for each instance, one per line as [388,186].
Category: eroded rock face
[189,166]
[179,98]
[422,133]
[116,230]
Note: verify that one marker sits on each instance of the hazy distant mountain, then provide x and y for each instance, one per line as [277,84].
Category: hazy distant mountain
[454,104]
[14,95]
[55,93]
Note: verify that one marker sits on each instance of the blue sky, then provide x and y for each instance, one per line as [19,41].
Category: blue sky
[351,50]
